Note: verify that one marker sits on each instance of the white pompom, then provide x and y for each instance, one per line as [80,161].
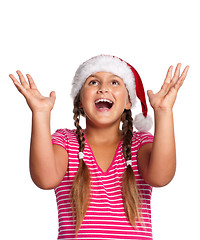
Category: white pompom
[143,124]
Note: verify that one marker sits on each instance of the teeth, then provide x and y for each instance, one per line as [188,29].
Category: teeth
[103,100]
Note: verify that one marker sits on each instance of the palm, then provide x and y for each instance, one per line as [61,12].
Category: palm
[165,98]
[35,100]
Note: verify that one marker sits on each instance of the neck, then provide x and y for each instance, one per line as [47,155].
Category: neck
[108,134]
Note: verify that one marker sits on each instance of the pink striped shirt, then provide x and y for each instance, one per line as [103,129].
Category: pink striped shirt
[105,217]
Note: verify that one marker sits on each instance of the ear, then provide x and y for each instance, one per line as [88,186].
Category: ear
[128,104]
[80,105]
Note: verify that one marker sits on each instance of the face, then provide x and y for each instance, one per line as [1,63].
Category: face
[104,97]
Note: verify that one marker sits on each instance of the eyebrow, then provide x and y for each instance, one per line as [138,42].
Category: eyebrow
[93,75]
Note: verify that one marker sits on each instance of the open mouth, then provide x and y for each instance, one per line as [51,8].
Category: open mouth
[103,104]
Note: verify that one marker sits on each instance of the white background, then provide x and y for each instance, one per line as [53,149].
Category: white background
[49,39]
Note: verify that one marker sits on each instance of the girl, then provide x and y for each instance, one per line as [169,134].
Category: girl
[103,175]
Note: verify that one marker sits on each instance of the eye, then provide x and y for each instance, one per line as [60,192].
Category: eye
[93,82]
[115,82]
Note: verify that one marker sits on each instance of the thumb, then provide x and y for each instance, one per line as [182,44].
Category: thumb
[52,95]
[149,93]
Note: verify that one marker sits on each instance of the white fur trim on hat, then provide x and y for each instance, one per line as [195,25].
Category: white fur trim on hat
[105,63]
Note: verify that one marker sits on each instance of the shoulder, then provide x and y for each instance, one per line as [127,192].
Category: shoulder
[68,133]
[64,137]
[141,138]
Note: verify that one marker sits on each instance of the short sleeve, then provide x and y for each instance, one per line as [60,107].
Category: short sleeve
[60,138]
[145,137]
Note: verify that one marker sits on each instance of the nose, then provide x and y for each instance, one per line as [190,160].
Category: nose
[103,89]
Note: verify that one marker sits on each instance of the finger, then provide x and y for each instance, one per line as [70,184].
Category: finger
[180,81]
[53,96]
[22,80]
[166,85]
[184,73]
[19,87]
[13,78]
[31,82]
[176,73]
[149,93]
[169,75]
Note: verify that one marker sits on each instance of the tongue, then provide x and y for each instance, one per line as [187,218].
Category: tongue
[104,105]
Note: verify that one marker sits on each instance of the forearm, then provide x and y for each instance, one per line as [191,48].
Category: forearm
[161,156]
[42,162]
[162,162]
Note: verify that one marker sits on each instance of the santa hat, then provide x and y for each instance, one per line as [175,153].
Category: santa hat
[131,78]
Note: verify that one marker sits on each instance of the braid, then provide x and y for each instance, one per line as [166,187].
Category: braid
[129,188]
[79,130]
[80,192]
[127,131]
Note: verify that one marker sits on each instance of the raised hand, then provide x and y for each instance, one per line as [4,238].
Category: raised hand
[35,100]
[165,98]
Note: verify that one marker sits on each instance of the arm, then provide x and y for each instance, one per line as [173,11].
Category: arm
[48,162]
[157,161]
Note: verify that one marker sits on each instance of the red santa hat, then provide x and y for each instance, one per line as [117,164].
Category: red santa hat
[131,78]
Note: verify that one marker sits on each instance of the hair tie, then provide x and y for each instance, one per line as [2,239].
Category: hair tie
[80,155]
[128,162]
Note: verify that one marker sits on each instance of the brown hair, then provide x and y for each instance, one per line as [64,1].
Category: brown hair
[80,192]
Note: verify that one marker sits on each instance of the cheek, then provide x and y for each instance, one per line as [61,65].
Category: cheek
[83,94]
[122,95]
[85,97]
